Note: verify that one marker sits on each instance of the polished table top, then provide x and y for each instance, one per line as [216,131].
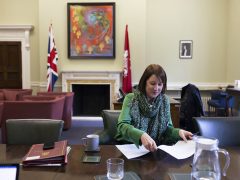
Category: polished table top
[151,166]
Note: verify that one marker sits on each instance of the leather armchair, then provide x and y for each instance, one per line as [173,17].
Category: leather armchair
[33,131]
[110,119]
[30,109]
[68,106]
[225,129]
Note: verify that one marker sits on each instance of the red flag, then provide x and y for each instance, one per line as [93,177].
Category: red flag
[127,77]
[52,74]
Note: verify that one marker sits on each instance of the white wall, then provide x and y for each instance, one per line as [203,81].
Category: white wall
[233,44]
[155,28]
[202,21]
[24,12]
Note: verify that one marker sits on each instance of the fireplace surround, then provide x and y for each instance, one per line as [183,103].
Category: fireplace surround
[111,78]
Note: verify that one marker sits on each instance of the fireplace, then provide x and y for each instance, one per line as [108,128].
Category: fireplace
[94,90]
[90,100]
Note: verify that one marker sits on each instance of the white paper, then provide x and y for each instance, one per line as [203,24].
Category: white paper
[68,149]
[180,150]
[131,150]
[32,158]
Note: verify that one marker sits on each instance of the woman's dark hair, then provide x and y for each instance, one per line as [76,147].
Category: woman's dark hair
[153,69]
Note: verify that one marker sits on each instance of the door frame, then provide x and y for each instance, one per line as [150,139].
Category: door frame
[21,34]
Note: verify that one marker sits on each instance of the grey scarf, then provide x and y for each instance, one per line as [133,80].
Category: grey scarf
[147,117]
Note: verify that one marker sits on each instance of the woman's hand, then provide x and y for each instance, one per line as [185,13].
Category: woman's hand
[185,134]
[148,142]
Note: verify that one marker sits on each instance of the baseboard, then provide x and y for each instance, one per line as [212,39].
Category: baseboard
[87,118]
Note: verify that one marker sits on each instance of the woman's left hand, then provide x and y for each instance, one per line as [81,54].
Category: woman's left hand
[185,134]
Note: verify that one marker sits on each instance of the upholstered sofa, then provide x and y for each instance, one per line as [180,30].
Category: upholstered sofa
[68,106]
[30,108]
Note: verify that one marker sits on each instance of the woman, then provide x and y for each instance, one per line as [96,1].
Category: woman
[145,117]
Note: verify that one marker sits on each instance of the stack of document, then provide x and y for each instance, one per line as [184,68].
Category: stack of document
[180,150]
[37,156]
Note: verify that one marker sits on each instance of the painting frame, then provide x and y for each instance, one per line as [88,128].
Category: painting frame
[185,49]
[91,30]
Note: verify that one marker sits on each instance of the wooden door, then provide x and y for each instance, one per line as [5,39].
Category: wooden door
[10,65]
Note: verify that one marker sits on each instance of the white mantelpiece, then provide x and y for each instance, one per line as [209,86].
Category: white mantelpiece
[93,77]
[20,33]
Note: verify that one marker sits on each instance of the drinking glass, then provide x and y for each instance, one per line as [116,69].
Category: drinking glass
[115,168]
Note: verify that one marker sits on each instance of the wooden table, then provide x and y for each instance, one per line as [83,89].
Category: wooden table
[175,112]
[117,105]
[174,108]
[151,166]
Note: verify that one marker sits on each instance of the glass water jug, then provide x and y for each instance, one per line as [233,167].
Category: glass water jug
[206,162]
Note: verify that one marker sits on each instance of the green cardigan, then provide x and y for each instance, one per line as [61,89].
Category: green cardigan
[126,132]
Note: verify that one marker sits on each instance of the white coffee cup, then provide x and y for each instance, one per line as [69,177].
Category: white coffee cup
[91,142]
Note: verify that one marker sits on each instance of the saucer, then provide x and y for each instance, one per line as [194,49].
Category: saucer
[91,150]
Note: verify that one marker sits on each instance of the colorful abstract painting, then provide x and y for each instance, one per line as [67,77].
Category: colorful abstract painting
[91,30]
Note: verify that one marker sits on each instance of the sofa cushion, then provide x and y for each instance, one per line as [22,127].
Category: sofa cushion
[22,93]
[10,95]
[38,98]
[1,110]
[2,96]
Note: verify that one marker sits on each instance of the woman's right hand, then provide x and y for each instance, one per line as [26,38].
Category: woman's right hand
[148,142]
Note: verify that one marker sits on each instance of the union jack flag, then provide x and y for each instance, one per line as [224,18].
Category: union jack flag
[52,74]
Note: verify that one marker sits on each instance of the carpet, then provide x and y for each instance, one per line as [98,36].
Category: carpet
[80,129]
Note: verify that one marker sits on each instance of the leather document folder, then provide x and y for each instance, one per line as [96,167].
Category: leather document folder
[37,156]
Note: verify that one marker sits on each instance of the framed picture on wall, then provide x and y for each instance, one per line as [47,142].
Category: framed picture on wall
[91,30]
[185,49]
